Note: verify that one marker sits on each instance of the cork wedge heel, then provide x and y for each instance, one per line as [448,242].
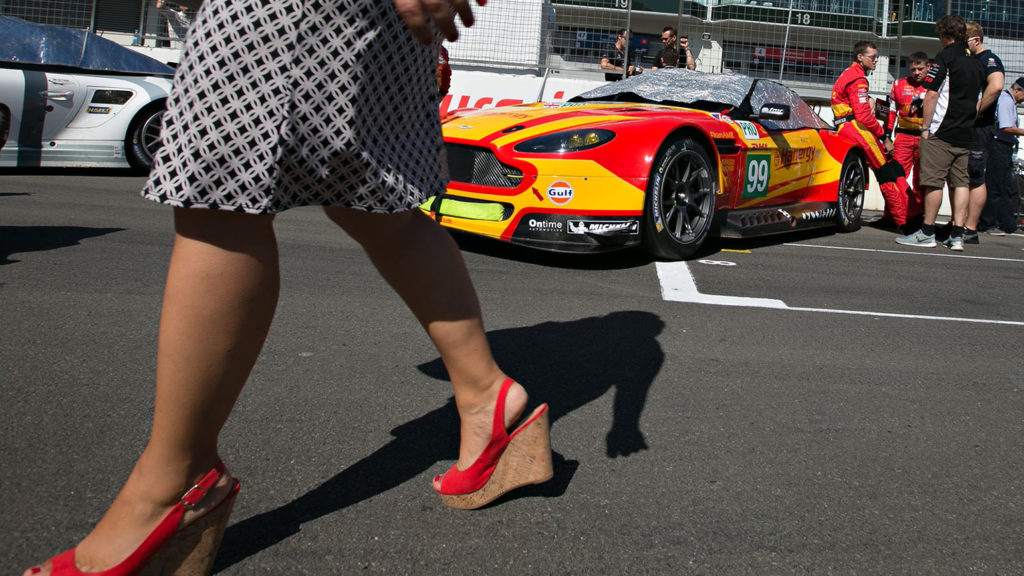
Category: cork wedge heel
[508,462]
[168,550]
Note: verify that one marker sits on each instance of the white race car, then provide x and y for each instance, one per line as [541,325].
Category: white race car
[72,99]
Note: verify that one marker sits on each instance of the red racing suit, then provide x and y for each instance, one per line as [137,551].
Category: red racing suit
[905,116]
[856,121]
[444,72]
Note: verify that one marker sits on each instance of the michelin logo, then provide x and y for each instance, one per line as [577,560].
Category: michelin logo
[604,228]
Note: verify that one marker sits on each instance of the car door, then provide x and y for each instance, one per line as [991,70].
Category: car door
[39,106]
[792,144]
[64,94]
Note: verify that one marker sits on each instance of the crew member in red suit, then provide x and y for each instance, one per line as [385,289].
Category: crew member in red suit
[855,118]
[444,73]
[907,100]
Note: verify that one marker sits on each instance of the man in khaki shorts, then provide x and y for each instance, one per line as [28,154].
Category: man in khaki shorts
[954,83]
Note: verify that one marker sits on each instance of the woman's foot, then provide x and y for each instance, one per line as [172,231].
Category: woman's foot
[476,417]
[507,461]
[146,498]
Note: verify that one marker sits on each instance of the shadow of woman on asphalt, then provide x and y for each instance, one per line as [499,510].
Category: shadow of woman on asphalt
[19,239]
[566,364]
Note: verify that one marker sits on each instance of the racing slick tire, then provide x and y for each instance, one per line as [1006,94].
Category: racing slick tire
[143,137]
[680,200]
[850,199]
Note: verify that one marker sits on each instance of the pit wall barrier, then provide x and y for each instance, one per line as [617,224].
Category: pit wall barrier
[477,90]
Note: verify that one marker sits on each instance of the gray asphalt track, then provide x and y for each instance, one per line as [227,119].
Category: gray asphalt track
[690,438]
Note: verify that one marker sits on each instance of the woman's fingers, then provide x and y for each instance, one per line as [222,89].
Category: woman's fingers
[417,15]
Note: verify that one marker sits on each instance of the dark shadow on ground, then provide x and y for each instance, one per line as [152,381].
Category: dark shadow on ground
[615,260]
[566,364]
[634,257]
[720,244]
[19,239]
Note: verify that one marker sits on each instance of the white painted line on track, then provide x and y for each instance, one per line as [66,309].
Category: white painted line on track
[678,285]
[940,254]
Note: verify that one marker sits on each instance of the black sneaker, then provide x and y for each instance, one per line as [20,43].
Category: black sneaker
[970,237]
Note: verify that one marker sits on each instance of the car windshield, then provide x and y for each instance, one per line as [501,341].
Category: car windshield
[24,44]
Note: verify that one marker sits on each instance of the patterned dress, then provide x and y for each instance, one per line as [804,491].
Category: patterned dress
[283,103]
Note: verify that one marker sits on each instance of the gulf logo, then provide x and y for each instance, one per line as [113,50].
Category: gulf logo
[560,192]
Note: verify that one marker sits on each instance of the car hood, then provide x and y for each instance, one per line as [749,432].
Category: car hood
[25,43]
[514,123]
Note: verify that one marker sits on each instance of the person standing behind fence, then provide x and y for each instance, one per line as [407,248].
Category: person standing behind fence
[179,18]
[615,59]
[854,115]
[984,132]
[954,83]
[1002,197]
[907,100]
[668,57]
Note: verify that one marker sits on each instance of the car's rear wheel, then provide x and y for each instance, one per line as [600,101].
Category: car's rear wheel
[680,203]
[850,200]
[143,138]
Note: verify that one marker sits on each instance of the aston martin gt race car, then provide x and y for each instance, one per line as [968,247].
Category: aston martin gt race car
[70,98]
[660,160]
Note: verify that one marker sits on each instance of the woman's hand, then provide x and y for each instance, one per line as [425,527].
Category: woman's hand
[418,14]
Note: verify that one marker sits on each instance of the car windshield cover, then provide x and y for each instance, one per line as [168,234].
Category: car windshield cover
[675,86]
[26,43]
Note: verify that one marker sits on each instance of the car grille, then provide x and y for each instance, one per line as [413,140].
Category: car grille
[473,165]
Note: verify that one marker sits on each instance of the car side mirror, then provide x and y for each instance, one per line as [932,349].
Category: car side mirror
[774,112]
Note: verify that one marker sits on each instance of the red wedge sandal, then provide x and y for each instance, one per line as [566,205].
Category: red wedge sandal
[508,462]
[168,550]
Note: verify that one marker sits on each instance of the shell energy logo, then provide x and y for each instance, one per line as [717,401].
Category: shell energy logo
[560,192]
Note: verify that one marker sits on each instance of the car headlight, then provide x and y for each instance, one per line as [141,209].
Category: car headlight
[571,141]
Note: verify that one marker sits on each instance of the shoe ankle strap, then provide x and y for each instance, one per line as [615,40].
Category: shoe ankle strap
[195,494]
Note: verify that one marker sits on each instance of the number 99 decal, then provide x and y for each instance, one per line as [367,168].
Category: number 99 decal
[756,185]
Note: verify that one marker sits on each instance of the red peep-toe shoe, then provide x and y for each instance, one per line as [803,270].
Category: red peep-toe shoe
[169,551]
[508,462]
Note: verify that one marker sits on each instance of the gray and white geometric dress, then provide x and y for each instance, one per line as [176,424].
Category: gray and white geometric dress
[283,103]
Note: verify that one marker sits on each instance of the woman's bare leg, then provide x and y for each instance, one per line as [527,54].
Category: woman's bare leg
[220,297]
[421,262]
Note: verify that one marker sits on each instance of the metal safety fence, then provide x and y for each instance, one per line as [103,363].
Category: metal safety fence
[804,43]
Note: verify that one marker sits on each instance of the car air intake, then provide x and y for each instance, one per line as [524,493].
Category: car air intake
[479,166]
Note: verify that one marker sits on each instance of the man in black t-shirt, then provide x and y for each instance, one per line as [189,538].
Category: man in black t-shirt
[954,83]
[668,57]
[672,57]
[984,130]
[614,60]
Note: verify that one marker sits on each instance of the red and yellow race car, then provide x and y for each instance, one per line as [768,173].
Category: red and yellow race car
[659,160]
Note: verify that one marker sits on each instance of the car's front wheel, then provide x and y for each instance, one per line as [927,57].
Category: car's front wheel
[680,203]
[850,200]
[143,138]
